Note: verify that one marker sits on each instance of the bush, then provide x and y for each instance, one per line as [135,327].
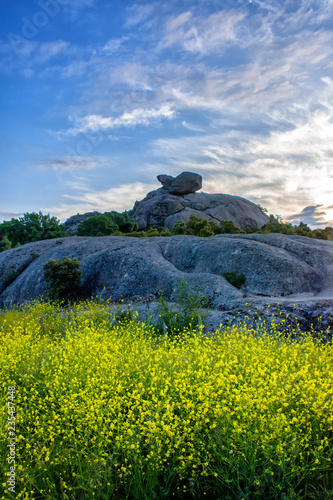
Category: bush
[186,314]
[235,279]
[228,227]
[205,228]
[278,225]
[98,225]
[63,278]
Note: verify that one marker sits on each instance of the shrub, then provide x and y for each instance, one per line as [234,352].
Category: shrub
[278,225]
[235,279]
[187,313]
[205,228]
[63,278]
[228,227]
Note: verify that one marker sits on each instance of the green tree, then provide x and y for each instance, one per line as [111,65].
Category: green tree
[107,224]
[63,279]
[278,225]
[98,225]
[329,232]
[319,234]
[32,227]
[5,244]
[303,229]
[123,220]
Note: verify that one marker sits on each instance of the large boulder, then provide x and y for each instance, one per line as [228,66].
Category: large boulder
[278,268]
[162,208]
[184,183]
[177,200]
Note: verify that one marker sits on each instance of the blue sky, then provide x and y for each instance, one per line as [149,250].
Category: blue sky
[98,97]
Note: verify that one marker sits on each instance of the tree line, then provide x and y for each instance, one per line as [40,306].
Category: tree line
[37,226]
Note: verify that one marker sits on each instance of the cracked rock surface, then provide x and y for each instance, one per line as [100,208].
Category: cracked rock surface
[294,271]
[160,207]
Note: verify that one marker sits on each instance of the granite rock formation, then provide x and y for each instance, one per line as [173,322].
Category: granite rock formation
[177,200]
[278,268]
[162,208]
[184,183]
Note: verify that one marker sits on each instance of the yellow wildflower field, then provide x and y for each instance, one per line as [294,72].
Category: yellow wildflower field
[112,410]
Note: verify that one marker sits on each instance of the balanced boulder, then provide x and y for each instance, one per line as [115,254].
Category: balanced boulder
[177,200]
[184,183]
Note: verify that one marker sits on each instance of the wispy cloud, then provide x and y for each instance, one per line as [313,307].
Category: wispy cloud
[137,14]
[113,45]
[119,198]
[25,56]
[240,91]
[314,216]
[10,215]
[203,35]
[192,127]
[94,123]
[70,162]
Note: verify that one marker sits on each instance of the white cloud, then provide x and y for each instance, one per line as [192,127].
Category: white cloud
[139,116]
[120,198]
[194,128]
[113,45]
[177,22]
[10,215]
[138,14]
[282,170]
[48,50]
[25,57]
[202,34]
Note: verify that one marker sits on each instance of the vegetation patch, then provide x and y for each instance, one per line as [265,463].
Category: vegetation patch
[36,226]
[112,411]
[235,279]
[187,313]
[63,278]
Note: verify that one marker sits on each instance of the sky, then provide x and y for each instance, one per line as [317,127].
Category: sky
[98,97]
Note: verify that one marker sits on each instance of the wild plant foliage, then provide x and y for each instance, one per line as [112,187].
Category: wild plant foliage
[63,278]
[111,411]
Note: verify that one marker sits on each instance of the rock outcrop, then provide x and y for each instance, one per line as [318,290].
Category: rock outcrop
[177,200]
[184,183]
[162,208]
[75,221]
[278,268]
